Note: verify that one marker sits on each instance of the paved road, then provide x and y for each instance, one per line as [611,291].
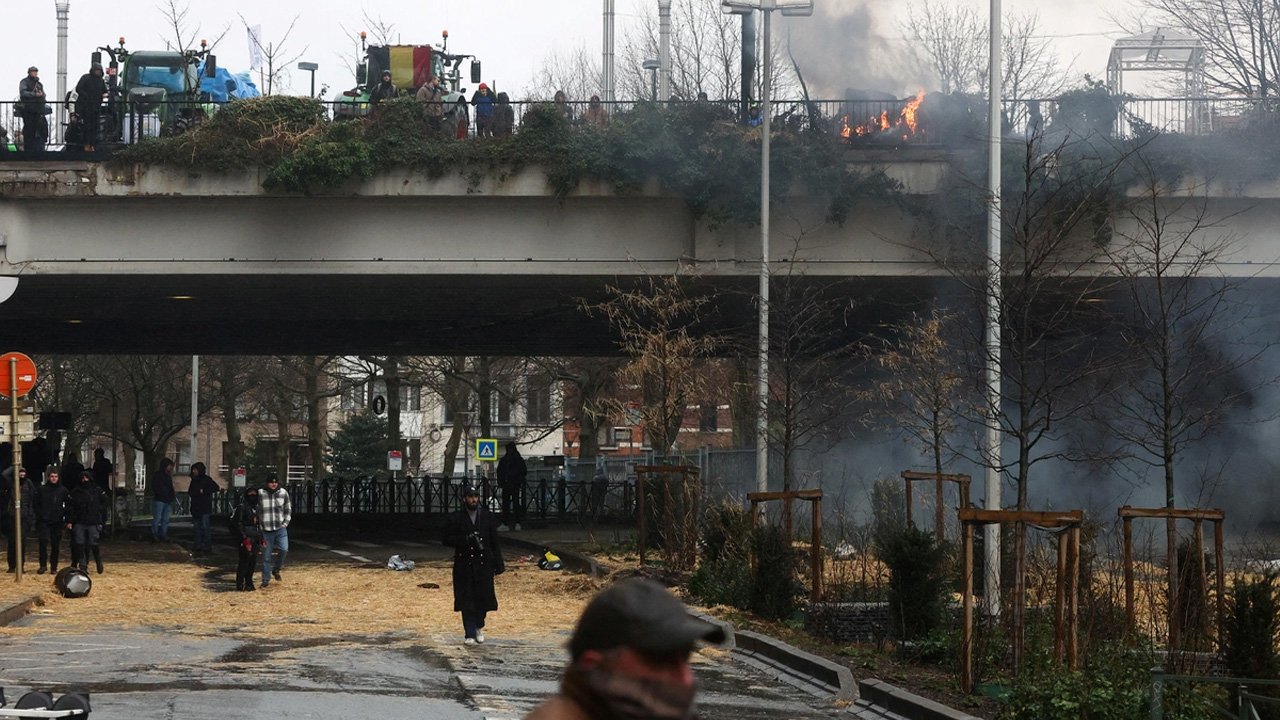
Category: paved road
[148,674]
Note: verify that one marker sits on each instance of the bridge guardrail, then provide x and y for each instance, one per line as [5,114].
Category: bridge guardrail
[874,121]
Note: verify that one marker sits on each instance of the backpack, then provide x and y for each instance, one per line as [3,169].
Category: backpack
[550,561]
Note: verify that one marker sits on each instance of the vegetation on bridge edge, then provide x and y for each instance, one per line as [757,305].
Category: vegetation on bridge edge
[696,151]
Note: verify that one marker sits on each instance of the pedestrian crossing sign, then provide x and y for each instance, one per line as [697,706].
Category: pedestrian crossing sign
[486,450]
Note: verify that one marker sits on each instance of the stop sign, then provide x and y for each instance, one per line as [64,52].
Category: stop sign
[25,374]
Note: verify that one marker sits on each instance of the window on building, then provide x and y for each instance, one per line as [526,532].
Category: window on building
[621,437]
[355,397]
[538,401]
[410,398]
[709,420]
[502,407]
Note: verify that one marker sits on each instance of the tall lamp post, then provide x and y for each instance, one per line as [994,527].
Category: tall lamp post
[653,66]
[790,8]
[991,533]
[64,14]
[311,68]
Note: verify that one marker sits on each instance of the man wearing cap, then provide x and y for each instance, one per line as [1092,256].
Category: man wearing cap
[629,657]
[35,128]
[472,532]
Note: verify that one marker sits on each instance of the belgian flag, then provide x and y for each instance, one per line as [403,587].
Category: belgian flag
[410,65]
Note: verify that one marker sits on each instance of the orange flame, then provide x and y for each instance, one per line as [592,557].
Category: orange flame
[906,121]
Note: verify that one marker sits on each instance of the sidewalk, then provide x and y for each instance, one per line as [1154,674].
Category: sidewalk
[336,593]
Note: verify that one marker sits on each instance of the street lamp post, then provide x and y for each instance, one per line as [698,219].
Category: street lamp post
[311,68]
[64,13]
[800,8]
[652,66]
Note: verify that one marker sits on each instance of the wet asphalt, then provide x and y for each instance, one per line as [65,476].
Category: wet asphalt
[149,674]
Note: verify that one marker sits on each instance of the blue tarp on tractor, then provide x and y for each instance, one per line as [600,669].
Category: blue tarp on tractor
[226,86]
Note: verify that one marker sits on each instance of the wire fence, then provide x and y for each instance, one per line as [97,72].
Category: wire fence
[919,120]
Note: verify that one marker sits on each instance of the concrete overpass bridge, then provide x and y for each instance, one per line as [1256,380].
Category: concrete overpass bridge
[157,259]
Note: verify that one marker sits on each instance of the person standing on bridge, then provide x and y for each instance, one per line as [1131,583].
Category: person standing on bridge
[477,559]
[51,511]
[89,93]
[629,657]
[513,473]
[432,99]
[163,497]
[35,128]
[274,514]
[384,90]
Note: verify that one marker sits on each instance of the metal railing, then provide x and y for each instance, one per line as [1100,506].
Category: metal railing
[1164,686]
[930,120]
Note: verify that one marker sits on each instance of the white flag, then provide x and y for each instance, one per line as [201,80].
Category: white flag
[255,47]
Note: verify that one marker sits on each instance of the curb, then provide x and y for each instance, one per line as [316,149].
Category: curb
[908,705]
[795,666]
[18,610]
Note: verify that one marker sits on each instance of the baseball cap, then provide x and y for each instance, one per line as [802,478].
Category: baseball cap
[640,614]
[469,490]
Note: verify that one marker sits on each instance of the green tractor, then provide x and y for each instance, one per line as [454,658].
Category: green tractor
[410,66]
[154,92]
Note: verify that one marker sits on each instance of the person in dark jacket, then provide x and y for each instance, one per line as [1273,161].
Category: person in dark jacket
[512,475]
[71,468]
[35,128]
[248,535]
[482,99]
[163,498]
[477,559]
[504,117]
[89,93]
[102,470]
[27,497]
[201,491]
[51,511]
[384,90]
[84,520]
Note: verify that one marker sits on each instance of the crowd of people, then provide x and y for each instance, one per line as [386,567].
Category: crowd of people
[629,652]
[34,108]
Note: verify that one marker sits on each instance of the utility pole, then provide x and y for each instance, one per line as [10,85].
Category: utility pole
[664,48]
[60,108]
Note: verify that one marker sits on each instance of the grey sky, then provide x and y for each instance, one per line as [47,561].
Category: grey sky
[509,36]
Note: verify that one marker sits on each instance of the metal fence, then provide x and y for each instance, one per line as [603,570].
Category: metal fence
[930,119]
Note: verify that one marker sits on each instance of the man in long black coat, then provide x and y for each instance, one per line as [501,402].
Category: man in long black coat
[89,93]
[472,532]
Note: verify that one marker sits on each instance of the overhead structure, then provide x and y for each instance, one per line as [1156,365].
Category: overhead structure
[1158,51]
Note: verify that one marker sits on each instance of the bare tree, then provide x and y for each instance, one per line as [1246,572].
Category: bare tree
[153,396]
[922,392]
[1241,40]
[377,32]
[575,71]
[658,323]
[232,382]
[182,36]
[951,42]
[1188,366]
[706,55]
[276,56]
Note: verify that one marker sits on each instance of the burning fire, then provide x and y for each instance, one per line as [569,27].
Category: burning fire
[905,121]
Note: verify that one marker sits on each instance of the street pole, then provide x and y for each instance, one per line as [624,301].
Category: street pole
[606,79]
[991,533]
[762,381]
[60,109]
[664,46]
[17,467]
[195,408]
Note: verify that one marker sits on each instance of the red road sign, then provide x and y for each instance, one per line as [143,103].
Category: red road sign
[26,374]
